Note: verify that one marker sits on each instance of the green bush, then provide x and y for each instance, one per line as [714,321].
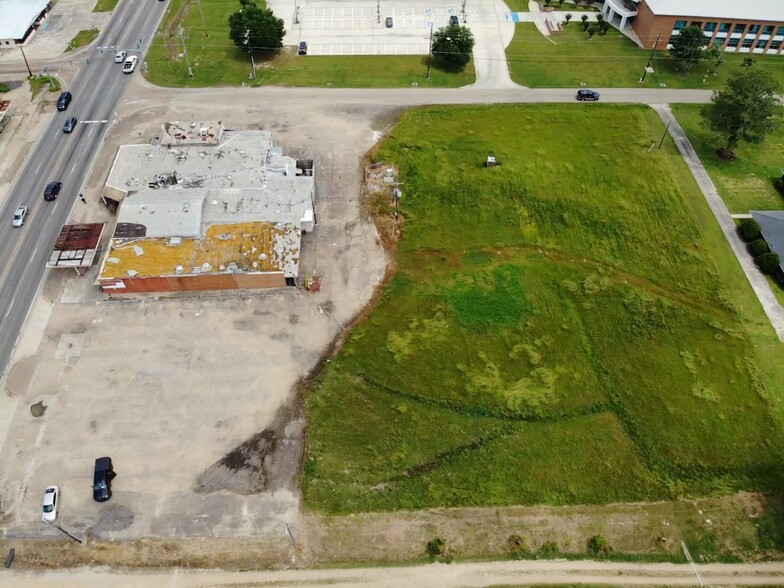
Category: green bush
[768,262]
[436,547]
[778,183]
[749,230]
[758,247]
[598,546]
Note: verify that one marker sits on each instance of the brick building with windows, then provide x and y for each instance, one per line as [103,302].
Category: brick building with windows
[753,26]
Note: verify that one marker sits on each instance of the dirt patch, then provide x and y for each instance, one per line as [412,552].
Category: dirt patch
[266,462]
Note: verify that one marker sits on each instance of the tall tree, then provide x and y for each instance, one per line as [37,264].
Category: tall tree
[688,45]
[453,45]
[255,29]
[747,109]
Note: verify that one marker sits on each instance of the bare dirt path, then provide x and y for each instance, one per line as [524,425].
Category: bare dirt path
[442,575]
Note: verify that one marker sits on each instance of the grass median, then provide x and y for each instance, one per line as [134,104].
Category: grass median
[216,61]
[105,5]
[567,328]
[82,38]
[612,61]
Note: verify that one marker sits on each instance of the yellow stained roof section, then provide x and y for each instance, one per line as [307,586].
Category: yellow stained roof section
[251,246]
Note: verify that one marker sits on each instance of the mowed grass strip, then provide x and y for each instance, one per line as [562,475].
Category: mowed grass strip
[568,327]
[746,183]
[105,5]
[216,61]
[82,38]
[612,61]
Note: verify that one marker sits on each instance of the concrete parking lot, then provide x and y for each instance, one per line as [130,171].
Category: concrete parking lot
[188,396]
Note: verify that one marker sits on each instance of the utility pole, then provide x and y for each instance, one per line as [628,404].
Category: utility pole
[650,59]
[296,12]
[203,24]
[430,51]
[464,14]
[181,33]
[664,136]
[250,52]
[29,71]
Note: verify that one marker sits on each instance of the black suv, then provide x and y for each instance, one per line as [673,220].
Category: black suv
[52,190]
[454,21]
[587,95]
[63,101]
[102,479]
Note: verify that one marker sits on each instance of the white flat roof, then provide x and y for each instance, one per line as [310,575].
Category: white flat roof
[748,10]
[16,16]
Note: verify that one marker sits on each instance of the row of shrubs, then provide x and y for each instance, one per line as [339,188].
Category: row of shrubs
[767,261]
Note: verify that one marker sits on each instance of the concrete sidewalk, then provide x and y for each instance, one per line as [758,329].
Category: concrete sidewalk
[758,281]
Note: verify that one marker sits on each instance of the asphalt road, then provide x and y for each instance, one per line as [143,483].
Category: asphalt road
[97,88]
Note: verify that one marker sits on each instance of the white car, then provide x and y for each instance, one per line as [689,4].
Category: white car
[119,57]
[51,498]
[20,215]
[130,64]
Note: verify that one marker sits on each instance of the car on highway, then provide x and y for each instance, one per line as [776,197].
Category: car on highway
[454,21]
[52,190]
[587,95]
[20,216]
[51,498]
[389,22]
[130,64]
[303,48]
[63,101]
[103,474]
[70,124]
[119,57]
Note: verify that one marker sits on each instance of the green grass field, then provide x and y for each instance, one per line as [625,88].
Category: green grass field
[611,61]
[46,83]
[746,183]
[82,38]
[562,329]
[217,62]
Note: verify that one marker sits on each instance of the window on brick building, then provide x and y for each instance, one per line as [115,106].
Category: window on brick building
[754,29]
[724,27]
[739,28]
[768,30]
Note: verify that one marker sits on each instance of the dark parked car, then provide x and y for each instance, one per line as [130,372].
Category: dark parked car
[52,190]
[102,479]
[63,101]
[587,95]
[303,48]
[453,21]
[389,22]
[70,124]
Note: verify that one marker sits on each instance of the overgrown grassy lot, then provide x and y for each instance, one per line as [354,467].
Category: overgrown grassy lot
[569,327]
[611,61]
[746,183]
[82,38]
[217,62]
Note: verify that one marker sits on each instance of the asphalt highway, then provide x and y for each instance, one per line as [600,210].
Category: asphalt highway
[97,88]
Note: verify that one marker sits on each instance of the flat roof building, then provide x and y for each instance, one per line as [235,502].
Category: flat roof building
[753,26]
[19,18]
[201,217]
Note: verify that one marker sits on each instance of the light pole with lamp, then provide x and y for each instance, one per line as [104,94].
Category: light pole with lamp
[650,59]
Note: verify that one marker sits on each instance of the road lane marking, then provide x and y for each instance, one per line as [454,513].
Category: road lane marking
[73,168]
[91,131]
[39,167]
[94,122]
[10,306]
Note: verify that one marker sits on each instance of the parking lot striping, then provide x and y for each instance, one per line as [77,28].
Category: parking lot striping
[40,435]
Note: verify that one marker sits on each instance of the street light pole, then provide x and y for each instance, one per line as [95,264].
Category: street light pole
[650,59]
[29,71]
[430,51]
